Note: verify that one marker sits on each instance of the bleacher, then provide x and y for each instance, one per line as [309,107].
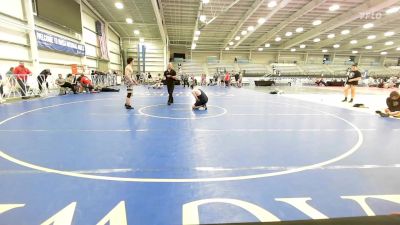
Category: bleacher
[394,70]
[338,69]
[315,69]
[253,69]
[192,68]
[380,71]
[288,69]
[298,70]
[215,67]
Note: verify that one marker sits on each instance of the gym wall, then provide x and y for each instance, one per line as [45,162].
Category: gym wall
[154,54]
[14,41]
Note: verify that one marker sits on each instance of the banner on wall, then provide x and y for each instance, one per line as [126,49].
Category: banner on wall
[102,40]
[51,42]
[74,69]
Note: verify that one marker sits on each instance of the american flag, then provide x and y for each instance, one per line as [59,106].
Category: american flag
[101,39]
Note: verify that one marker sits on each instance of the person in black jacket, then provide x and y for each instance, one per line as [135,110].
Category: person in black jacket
[352,82]
[170,76]
[42,78]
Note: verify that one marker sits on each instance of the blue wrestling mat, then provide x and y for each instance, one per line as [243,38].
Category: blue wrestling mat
[86,160]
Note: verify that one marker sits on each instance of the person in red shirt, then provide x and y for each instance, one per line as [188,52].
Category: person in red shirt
[21,74]
[86,83]
[227,79]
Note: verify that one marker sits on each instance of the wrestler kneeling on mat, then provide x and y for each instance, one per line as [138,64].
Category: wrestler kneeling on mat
[393,103]
[200,97]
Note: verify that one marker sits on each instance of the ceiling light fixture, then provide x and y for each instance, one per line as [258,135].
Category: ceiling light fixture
[354,52]
[278,39]
[197,32]
[260,49]
[261,21]
[205,1]
[370,37]
[316,22]
[316,40]
[383,53]
[196,38]
[267,45]
[272,4]
[203,18]
[389,43]
[299,29]
[324,50]
[293,50]
[250,28]
[398,48]
[244,32]
[330,36]
[393,10]
[119,5]
[353,42]
[334,7]
[389,33]
[237,38]
[129,20]
[344,32]
[194,46]
[336,45]
[136,32]
[368,25]
[368,47]
[288,34]
[227,49]
[302,46]
[231,43]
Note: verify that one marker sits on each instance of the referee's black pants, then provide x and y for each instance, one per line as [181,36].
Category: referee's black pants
[170,88]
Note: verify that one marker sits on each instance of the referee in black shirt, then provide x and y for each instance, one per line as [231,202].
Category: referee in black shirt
[170,76]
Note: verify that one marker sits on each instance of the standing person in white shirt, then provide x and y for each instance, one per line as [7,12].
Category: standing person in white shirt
[129,81]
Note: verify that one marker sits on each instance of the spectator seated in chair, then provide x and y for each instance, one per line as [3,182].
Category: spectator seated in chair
[64,84]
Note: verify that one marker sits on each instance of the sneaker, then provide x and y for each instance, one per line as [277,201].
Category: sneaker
[351,100]
[344,100]
[169,103]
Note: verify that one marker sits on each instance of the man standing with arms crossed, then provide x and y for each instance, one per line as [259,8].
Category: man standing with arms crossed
[170,76]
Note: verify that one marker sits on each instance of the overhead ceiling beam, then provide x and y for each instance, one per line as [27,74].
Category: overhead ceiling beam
[159,18]
[381,22]
[256,4]
[196,25]
[364,42]
[307,8]
[281,5]
[222,12]
[353,14]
